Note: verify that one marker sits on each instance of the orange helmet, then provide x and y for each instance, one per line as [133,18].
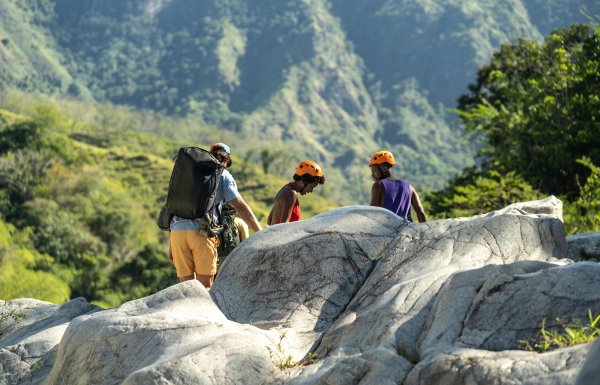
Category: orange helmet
[309,167]
[382,157]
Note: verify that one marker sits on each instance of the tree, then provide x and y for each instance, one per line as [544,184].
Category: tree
[584,214]
[538,109]
[476,192]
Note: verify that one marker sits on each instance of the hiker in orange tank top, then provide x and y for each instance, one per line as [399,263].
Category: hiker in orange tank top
[286,207]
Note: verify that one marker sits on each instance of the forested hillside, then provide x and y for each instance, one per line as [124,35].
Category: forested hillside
[79,199]
[97,95]
[330,80]
[536,109]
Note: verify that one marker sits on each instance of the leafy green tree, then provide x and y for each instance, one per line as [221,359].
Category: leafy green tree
[20,172]
[475,192]
[538,108]
[19,136]
[58,233]
[147,273]
[583,215]
[19,275]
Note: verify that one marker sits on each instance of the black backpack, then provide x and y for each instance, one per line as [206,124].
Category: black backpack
[230,237]
[193,185]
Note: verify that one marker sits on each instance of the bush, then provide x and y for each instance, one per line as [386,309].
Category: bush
[59,234]
[583,215]
[18,277]
[477,192]
[19,136]
[147,273]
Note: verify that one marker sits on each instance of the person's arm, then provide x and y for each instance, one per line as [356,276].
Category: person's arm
[416,205]
[242,228]
[244,211]
[286,200]
[377,192]
[170,252]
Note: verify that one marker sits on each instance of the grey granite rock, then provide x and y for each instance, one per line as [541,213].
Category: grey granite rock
[355,295]
[583,247]
[177,336]
[461,366]
[590,372]
[30,330]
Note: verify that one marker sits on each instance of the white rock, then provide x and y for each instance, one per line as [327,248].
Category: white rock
[177,336]
[391,307]
[496,307]
[590,373]
[30,330]
[548,206]
[583,246]
[376,299]
[302,275]
[460,366]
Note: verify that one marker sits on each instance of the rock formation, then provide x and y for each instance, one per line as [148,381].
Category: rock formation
[30,331]
[354,295]
[584,247]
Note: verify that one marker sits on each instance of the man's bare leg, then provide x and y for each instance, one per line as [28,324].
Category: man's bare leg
[206,280]
[186,278]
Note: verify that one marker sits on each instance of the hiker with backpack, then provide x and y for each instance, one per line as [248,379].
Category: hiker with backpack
[286,207]
[396,195]
[200,184]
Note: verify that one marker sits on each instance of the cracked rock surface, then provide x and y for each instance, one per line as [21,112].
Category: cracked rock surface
[584,247]
[302,275]
[590,372]
[356,295]
[177,336]
[30,331]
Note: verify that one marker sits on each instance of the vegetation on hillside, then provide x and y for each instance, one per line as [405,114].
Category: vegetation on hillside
[281,72]
[79,200]
[536,109]
[81,183]
[329,80]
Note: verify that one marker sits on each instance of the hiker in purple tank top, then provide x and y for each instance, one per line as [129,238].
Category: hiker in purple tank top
[393,194]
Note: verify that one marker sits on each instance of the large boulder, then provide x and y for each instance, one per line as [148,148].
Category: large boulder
[582,247]
[177,336]
[481,316]
[30,331]
[460,366]
[484,308]
[590,372]
[356,295]
[548,206]
[302,275]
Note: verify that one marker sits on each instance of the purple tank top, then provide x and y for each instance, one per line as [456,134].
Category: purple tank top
[396,197]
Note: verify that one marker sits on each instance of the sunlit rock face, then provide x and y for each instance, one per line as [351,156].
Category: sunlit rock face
[354,295]
[30,331]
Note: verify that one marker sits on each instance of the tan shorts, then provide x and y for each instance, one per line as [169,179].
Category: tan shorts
[193,253]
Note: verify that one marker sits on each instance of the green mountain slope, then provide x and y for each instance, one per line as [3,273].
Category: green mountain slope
[330,80]
[29,57]
[79,200]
